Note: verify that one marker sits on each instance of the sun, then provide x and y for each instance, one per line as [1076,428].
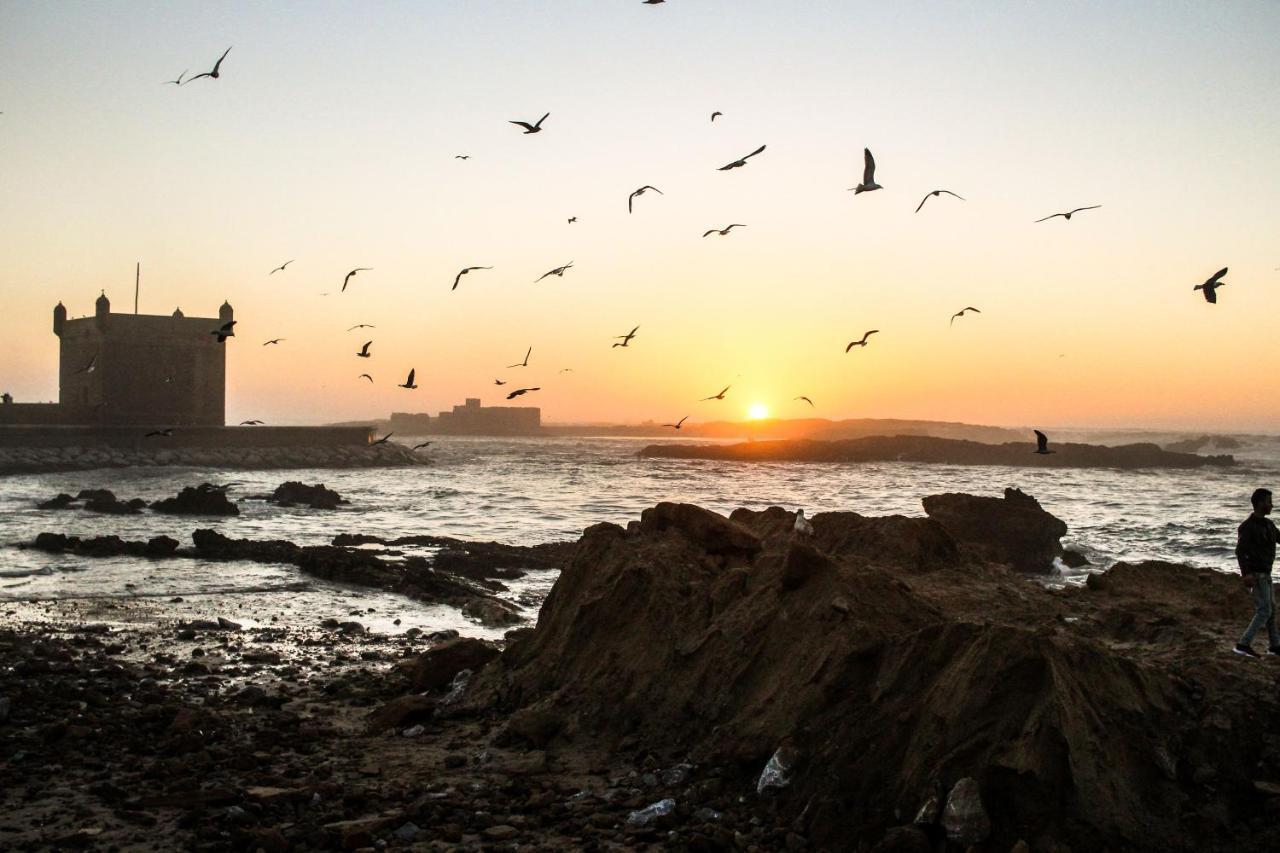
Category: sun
[756,411]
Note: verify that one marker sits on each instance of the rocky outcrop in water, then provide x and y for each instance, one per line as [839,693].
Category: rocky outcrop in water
[946,451]
[205,499]
[30,460]
[1013,530]
[294,493]
[96,500]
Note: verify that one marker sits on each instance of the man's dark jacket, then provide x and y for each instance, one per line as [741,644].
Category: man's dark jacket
[1256,544]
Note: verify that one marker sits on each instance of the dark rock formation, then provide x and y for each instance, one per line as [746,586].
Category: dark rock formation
[1015,530]
[205,499]
[61,501]
[478,560]
[294,493]
[105,546]
[436,667]
[919,448]
[96,500]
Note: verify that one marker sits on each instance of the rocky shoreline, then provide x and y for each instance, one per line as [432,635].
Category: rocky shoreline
[37,460]
[693,682]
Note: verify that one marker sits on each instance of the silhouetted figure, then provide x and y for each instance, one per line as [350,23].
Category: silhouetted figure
[863,342]
[457,278]
[217,65]
[572,219]
[282,266]
[160,433]
[408,383]
[462,156]
[177,82]
[519,391]
[226,330]
[273,341]
[383,440]
[499,382]
[350,274]
[420,446]
[678,423]
[719,396]
[716,113]
[641,192]
[361,326]
[524,363]
[868,174]
[364,350]
[536,127]
[558,271]
[930,195]
[806,399]
[1211,285]
[1067,215]
[960,313]
[738,164]
[6,399]
[626,339]
[365,376]
[1042,443]
[802,527]
[1255,553]
[252,423]
[723,232]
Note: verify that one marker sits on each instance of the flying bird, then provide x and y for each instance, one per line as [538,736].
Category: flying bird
[640,192]
[224,331]
[365,376]
[739,163]
[252,423]
[214,73]
[719,396]
[1042,443]
[566,370]
[1067,215]
[457,278]
[273,341]
[558,271]
[499,382]
[364,350]
[930,195]
[678,423]
[716,113]
[91,366]
[806,399]
[350,274]
[524,363]
[536,127]
[572,219]
[177,82]
[626,339]
[519,391]
[653,2]
[160,433]
[361,326]
[723,232]
[382,440]
[960,313]
[1211,285]
[861,343]
[868,174]
[420,446]
[282,266]
[408,383]
[462,156]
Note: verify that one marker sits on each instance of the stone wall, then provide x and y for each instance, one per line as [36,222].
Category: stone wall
[211,438]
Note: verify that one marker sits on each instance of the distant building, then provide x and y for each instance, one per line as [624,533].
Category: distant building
[474,419]
[130,369]
[410,423]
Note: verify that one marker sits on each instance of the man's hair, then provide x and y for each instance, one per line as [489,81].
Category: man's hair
[1259,495]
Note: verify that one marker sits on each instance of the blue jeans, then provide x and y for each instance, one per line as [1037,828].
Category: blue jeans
[1264,603]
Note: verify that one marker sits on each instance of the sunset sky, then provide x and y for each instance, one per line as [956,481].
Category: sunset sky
[331,137]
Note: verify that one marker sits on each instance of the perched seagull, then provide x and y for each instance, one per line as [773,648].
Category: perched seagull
[364,350]
[640,192]
[558,271]
[408,383]
[1042,443]
[536,127]
[462,156]
[1067,215]
[350,274]
[361,326]
[382,440]
[91,366]
[802,527]
[224,331]
[177,82]
[1211,285]
[868,174]
[678,423]
[739,163]
[861,343]
[719,396]
[252,423]
[960,313]
[216,66]
[716,113]
[365,376]
[499,382]
[626,339]
[723,232]
[457,278]
[282,266]
[519,391]
[806,399]
[524,363]
[572,219]
[420,446]
[160,433]
[273,341]
[930,195]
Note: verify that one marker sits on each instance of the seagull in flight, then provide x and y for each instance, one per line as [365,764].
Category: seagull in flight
[640,192]
[177,82]
[365,376]
[723,232]
[739,163]
[225,331]
[91,366]
[350,274]
[536,127]
[716,113]
[806,399]
[382,440]
[519,391]
[420,446]
[252,423]
[499,382]
[1211,285]
[1067,215]
[719,396]
[653,2]
[868,174]
[678,423]
[361,326]
[462,156]
[861,343]
[273,341]
[524,363]
[464,271]
[364,350]
[558,271]
[960,313]
[572,219]
[214,73]
[626,339]
[408,383]
[1042,443]
[930,195]
[160,433]
[282,266]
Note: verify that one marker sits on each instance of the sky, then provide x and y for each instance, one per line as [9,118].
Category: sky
[330,139]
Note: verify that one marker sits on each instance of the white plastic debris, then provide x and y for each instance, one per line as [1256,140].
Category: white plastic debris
[648,814]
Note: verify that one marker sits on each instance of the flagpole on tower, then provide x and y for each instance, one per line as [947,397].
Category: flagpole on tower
[137,280]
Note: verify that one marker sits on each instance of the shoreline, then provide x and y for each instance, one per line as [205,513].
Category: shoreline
[42,460]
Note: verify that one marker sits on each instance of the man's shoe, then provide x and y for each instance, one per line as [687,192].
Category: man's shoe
[1247,651]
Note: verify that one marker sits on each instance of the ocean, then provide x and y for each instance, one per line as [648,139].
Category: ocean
[531,490]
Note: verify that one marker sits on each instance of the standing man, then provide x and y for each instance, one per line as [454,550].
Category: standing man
[1255,552]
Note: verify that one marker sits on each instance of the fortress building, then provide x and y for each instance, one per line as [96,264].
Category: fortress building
[134,369]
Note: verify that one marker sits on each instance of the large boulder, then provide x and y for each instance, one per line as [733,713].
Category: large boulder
[294,493]
[1014,530]
[205,499]
[436,667]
